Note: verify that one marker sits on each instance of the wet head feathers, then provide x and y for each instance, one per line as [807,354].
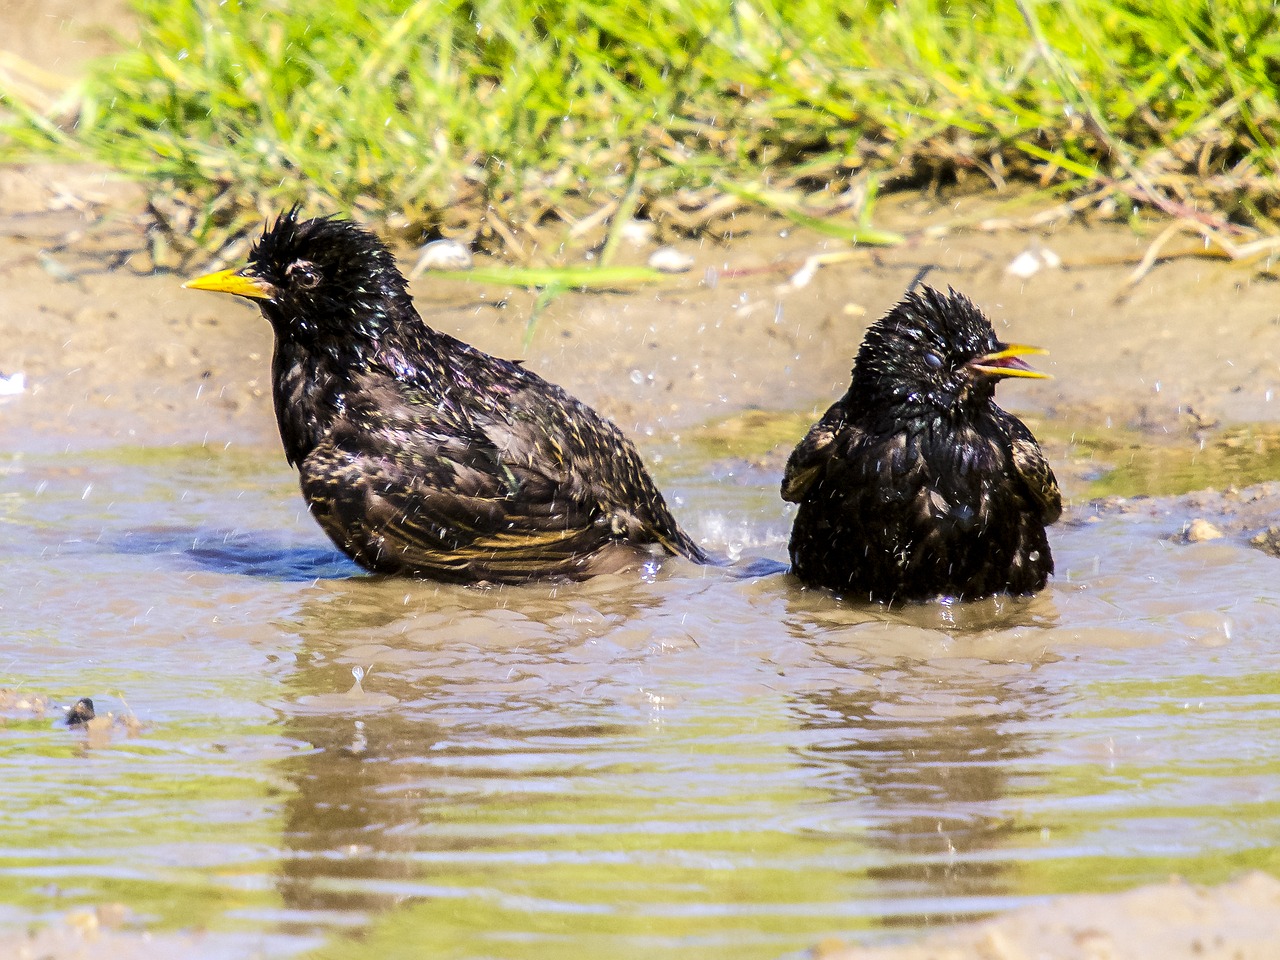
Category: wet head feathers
[917,355]
[329,277]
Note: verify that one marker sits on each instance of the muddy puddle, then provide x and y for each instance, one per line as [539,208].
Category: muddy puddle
[683,765]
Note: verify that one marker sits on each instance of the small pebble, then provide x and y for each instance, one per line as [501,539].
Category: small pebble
[1030,262]
[80,712]
[1024,265]
[670,260]
[637,232]
[1198,531]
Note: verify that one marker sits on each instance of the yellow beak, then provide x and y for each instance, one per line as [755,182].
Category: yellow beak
[1005,362]
[238,282]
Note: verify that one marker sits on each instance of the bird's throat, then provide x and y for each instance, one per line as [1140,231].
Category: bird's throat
[306,389]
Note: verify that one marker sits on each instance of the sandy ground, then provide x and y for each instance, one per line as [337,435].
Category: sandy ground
[1173,921]
[116,354]
[60,35]
[1169,921]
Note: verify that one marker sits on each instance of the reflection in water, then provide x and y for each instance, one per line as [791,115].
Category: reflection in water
[244,553]
[921,758]
[355,806]
[354,810]
[373,820]
[540,763]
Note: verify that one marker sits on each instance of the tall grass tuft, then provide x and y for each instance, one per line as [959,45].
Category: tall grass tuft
[531,127]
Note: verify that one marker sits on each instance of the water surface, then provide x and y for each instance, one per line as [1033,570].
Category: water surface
[683,765]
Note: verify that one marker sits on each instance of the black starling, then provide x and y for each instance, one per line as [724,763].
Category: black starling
[421,455]
[915,485]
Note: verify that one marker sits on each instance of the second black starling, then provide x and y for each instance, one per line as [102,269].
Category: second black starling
[421,455]
[915,484]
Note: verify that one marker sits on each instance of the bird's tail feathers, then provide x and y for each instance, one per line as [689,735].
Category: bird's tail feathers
[742,569]
[683,544]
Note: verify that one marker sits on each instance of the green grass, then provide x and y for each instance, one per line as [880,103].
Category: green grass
[533,128]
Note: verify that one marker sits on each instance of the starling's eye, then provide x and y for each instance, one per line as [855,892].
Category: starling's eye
[302,274]
[932,361]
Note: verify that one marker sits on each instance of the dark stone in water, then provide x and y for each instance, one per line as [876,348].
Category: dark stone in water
[80,712]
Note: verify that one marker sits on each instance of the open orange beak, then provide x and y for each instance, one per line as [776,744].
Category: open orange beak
[1007,362]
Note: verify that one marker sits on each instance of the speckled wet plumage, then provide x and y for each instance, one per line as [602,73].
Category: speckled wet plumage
[421,455]
[915,484]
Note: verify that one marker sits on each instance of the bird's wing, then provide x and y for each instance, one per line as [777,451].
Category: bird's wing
[1030,463]
[809,460]
[525,484]
[448,507]
[546,434]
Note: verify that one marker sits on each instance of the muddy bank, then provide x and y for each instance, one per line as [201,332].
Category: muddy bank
[114,352]
[59,36]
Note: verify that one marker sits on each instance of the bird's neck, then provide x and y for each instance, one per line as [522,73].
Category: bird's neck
[886,411]
[306,388]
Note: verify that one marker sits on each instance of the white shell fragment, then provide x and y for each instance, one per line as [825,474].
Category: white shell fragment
[1031,261]
[443,255]
[804,276]
[13,384]
[637,232]
[670,260]
[809,269]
